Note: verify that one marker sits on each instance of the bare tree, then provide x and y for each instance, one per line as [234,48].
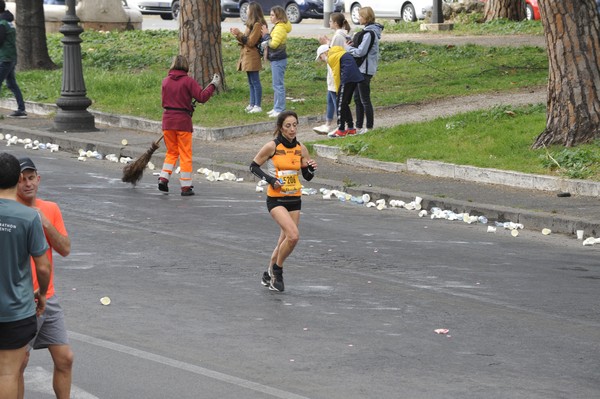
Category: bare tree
[572,30]
[513,10]
[200,38]
[32,50]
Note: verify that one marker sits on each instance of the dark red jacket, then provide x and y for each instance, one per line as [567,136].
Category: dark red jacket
[178,90]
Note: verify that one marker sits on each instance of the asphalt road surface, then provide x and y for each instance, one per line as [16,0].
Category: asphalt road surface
[365,290]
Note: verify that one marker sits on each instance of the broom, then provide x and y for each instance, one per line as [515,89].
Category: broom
[133,172]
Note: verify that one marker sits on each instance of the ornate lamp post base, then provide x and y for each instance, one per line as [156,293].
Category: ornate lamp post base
[72,115]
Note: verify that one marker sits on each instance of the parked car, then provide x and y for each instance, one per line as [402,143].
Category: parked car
[229,9]
[406,10]
[169,9]
[296,10]
[531,9]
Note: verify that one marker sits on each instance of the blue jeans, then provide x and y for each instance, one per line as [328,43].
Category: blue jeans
[255,88]
[7,72]
[278,70]
[331,105]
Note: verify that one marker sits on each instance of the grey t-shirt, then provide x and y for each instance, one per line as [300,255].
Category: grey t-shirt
[21,235]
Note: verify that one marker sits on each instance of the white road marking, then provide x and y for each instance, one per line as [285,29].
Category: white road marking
[192,368]
[39,380]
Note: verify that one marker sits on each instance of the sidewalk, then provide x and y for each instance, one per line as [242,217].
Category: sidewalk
[533,208]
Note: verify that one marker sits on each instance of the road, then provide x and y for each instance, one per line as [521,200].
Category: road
[307,28]
[365,291]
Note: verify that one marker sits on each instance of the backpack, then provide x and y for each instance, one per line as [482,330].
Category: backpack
[357,39]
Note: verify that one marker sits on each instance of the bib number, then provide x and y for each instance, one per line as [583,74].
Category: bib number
[290,182]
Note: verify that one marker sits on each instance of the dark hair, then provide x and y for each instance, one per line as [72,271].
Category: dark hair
[2,6]
[10,170]
[281,117]
[340,20]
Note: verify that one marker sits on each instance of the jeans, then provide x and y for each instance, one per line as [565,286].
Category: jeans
[331,105]
[255,88]
[7,72]
[344,113]
[278,70]
[362,100]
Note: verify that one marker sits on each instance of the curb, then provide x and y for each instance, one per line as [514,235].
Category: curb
[151,126]
[468,173]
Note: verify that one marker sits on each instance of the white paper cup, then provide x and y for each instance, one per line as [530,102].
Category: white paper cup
[580,234]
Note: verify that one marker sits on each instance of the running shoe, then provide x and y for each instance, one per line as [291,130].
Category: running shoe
[266,279]
[337,133]
[363,131]
[249,107]
[323,129]
[18,114]
[255,110]
[351,132]
[276,279]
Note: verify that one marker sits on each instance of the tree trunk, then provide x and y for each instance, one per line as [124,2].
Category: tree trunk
[513,10]
[572,30]
[32,50]
[200,39]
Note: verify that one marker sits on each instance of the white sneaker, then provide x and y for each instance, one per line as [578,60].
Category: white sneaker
[274,114]
[270,112]
[362,131]
[249,107]
[323,129]
[255,110]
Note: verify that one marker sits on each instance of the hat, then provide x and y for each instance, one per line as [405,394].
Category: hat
[26,163]
[322,49]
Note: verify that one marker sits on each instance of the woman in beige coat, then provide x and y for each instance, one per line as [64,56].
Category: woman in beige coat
[250,60]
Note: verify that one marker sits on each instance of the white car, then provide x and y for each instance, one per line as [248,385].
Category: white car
[406,10]
[164,8]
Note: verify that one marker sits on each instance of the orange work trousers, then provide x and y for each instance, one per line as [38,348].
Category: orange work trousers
[179,146]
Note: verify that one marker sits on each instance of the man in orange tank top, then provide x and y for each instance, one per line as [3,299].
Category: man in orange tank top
[52,333]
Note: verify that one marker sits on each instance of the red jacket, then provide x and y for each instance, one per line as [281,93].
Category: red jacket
[178,90]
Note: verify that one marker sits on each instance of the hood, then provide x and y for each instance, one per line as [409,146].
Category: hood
[7,16]
[287,26]
[177,74]
[375,27]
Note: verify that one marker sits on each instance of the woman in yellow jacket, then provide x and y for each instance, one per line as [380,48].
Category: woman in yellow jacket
[250,60]
[277,55]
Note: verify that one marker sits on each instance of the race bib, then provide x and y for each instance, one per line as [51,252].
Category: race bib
[290,182]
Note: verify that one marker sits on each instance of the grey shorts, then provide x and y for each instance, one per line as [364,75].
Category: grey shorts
[51,326]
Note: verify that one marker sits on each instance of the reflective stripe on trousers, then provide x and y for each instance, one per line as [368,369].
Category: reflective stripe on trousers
[179,146]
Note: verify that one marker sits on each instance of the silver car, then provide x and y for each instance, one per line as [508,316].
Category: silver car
[400,10]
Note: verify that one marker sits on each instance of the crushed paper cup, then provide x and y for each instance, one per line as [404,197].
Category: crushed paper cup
[105,300]
[370,204]
[366,198]
[441,331]
[546,231]
[151,166]
[514,233]
[124,142]
[591,241]
[82,158]
[491,229]
[259,189]
[579,234]
[422,213]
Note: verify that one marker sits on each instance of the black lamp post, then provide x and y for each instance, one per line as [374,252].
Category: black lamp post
[72,114]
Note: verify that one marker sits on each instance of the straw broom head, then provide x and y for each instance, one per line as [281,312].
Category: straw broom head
[133,172]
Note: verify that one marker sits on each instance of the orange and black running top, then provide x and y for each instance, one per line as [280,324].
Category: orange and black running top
[285,165]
